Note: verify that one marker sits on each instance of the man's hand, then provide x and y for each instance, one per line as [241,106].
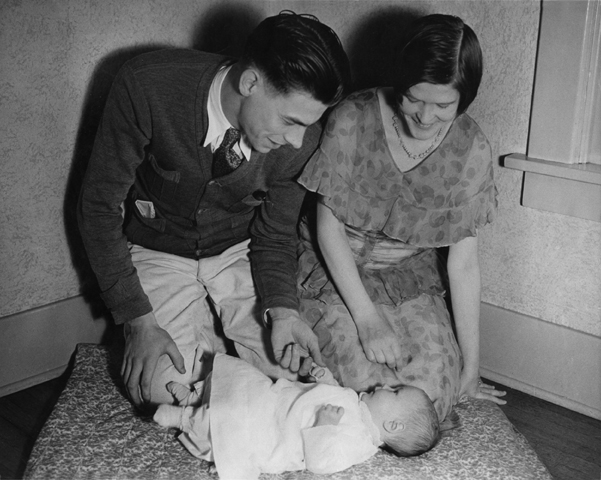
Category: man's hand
[145,343]
[294,344]
[328,415]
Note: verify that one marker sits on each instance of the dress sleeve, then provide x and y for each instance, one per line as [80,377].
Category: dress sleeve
[350,152]
[331,162]
[446,198]
[333,448]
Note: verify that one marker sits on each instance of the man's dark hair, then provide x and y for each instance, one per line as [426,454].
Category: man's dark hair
[299,53]
[441,50]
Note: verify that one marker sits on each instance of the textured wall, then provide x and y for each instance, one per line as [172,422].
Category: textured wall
[57,61]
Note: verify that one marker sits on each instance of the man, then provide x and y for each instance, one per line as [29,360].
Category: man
[203,153]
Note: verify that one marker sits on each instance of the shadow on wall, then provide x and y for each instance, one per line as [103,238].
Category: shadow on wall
[222,30]
[95,99]
[225,28]
[374,45]
[371,48]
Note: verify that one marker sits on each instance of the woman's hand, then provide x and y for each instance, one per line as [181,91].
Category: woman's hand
[377,338]
[472,386]
[379,341]
[464,276]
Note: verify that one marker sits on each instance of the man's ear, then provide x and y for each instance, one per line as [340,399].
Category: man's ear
[249,81]
[393,425]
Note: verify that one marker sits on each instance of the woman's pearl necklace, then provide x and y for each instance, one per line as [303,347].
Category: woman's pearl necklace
[414,156]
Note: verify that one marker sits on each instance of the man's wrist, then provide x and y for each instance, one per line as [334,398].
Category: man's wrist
[141,321]
[275,314]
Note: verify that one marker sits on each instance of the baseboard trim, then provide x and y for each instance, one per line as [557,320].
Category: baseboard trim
[542,359]
[37,345]
[32,381]
[540,393]
[545,360]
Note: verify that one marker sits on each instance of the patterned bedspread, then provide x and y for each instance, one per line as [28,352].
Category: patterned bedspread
[94,432]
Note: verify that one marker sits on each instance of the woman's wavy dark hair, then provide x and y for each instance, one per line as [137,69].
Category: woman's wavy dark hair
[441,49]
[299,53]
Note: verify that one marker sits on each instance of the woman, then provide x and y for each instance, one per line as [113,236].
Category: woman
[400,173]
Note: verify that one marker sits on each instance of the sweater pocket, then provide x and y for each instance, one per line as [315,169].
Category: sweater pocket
[161,184]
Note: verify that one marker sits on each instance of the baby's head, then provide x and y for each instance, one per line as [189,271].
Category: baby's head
[406,418]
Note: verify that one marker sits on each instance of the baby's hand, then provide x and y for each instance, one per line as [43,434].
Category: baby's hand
[328,415]
[322,375]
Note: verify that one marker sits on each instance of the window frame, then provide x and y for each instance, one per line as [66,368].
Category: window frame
[561,174]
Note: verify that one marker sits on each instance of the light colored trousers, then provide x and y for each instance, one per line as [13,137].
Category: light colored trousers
[189,298]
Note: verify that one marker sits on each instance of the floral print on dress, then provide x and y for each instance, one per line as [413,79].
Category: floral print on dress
[407,215]
[439,202]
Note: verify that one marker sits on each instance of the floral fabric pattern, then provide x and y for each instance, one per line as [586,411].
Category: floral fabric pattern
[441,201]
[94,432]
[394,222]
[431,357]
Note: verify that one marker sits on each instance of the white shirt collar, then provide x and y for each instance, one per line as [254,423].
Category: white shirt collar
[218,123]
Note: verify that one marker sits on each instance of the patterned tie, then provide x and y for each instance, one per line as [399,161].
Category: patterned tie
[225,159]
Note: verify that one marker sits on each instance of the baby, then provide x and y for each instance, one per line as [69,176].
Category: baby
[247,424]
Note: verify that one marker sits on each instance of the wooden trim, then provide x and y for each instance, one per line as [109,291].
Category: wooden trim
[545,360]
[542,359]
[33,381]
[564,85]
[37,345]
[573,190]
[580,172]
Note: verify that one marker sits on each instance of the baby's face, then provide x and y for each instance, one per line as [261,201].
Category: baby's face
[385,403]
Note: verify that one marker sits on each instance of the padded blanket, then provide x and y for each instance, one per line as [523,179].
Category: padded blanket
[94,432]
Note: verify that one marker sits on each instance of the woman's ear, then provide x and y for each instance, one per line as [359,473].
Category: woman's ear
[393,425]
[249,81]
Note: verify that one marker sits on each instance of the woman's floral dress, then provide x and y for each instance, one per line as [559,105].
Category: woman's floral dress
[394,222]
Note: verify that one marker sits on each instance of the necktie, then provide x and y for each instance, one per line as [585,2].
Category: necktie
[225,159]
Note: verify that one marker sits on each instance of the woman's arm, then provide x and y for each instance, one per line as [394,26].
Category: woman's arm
[464,277]
[377,337]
